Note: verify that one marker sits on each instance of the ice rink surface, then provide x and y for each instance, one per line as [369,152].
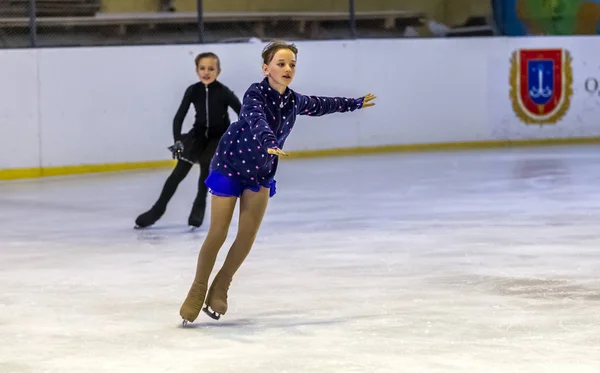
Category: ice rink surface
[478,261]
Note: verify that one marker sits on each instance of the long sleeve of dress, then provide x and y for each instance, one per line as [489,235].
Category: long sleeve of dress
[317,106]
[181,113]
[254,114]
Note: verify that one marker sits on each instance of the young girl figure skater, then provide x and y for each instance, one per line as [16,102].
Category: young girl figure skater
[211,99]
[244,167]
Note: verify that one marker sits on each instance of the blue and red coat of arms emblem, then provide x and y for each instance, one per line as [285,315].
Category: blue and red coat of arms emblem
[541,85]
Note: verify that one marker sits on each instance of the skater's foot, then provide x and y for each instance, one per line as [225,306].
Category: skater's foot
[216,300]
[149,217]
[195,221]
[190,309]
[196,217]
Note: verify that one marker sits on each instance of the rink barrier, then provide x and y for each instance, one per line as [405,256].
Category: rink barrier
[13,174]
[28,173]
[441,147]
[68,111]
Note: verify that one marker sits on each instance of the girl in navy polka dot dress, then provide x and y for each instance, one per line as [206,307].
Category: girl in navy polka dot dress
[244,167]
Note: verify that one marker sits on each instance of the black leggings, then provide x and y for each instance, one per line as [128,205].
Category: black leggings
[179,173]
[182,168]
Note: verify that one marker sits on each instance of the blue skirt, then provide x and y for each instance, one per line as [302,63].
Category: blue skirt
[224,186]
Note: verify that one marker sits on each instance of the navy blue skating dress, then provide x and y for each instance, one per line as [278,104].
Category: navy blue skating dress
[267,117]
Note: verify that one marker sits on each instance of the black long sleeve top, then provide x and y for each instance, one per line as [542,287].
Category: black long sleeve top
[211,103]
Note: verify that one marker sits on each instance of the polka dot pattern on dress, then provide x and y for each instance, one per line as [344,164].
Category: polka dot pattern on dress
[266,119]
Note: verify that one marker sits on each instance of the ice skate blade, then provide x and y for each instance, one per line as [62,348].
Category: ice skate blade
[212,314]
[194,226]
[184,323]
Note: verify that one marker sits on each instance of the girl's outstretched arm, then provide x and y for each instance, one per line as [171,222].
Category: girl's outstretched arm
[253,113]
[317,106]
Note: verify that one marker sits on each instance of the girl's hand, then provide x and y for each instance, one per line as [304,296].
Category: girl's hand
[367,100]
[277,151]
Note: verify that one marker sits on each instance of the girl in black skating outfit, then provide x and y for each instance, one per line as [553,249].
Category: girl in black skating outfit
[211,100]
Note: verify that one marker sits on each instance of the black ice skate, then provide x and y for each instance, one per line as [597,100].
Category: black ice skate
[196,217]
[149,217]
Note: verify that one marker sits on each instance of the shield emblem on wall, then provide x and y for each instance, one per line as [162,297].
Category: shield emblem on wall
[541,85]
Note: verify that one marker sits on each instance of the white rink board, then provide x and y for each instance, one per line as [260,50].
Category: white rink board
[75,106]
[582,118]
[19,110]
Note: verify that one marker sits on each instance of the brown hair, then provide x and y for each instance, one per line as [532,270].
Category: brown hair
[274,47]
[205,55]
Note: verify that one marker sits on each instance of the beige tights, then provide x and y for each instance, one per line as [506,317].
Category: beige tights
[252,209]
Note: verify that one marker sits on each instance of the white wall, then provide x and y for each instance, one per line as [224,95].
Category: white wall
[76,106]
[19,110]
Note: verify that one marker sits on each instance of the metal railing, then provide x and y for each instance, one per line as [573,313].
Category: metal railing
[45,23]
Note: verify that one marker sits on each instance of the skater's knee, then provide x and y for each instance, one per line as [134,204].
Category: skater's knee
[246,237]
[175,178]
[218,230]
[248,227]
[180,171]
[217,234]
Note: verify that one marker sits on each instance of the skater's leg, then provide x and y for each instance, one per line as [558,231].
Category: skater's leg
[196,217]
[221,214]
[252,209]
[179,173]
[220,218]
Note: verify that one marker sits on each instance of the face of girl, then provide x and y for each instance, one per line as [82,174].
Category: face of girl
[207,70]
[281,69]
